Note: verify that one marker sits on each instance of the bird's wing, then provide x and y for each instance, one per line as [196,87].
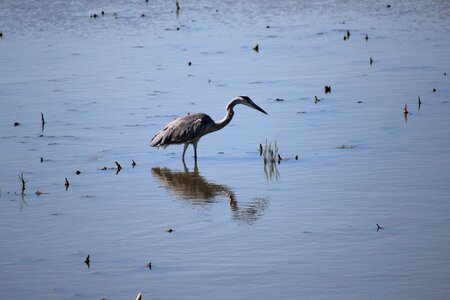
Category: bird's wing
[182,130]
[188,129]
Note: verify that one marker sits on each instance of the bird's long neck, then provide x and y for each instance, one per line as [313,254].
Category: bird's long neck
[230,113]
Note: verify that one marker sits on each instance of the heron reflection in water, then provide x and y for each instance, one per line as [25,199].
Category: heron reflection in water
[194,188]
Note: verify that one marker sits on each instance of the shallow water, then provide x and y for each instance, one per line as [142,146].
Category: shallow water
[300,229]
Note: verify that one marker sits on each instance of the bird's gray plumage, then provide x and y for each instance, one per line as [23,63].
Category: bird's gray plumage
[186,129]
[189,129]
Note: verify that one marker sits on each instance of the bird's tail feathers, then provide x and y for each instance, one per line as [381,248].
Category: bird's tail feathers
[158,141]
[155,142]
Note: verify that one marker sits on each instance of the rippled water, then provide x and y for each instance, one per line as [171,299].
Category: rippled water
[241,229]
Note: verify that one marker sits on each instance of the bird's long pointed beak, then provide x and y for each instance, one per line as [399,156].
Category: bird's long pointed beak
[259,108]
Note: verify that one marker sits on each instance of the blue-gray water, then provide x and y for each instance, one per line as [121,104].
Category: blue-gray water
[303,229]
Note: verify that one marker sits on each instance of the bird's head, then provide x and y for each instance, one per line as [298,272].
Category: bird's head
[248,102]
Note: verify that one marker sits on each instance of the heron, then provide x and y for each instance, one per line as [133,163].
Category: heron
[191,128]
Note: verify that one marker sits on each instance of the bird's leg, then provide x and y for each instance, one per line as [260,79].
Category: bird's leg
[195,150]
[195,167]
[186,170]
[184,150]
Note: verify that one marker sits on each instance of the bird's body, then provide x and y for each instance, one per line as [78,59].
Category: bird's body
[189,129]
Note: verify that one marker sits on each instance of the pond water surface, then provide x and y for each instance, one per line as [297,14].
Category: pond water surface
[301,229]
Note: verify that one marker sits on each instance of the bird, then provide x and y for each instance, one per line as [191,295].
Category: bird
[191,128]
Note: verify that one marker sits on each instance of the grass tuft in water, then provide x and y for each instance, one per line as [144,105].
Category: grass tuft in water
[270,152]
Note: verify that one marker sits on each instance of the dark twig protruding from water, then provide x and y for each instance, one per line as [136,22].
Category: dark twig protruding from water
[22,183]
[178,7]
[371,60]
[133,163]
[256,48]
[405,110]
[379,227]
[279,158]
[87,261]
[366,38]
[260,149]
[348,34]
[316,100]
[118,168]
[149,265]
[42,122]
[419,103]
[66,184]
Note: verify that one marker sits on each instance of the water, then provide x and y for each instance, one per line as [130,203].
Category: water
[300,229]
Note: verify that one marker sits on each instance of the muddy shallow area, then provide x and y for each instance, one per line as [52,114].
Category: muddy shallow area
[306,228]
